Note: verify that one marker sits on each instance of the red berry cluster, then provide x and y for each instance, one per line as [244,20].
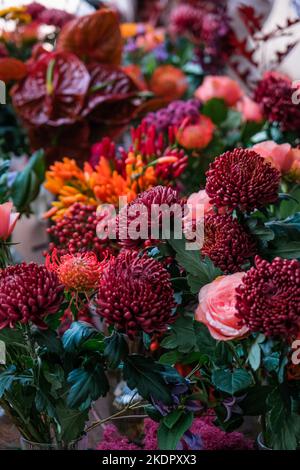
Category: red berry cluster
[76,232]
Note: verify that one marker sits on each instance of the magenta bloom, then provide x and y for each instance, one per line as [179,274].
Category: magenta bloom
[242,179]
[28,293]
[135,294]
[274,93]
[268,300]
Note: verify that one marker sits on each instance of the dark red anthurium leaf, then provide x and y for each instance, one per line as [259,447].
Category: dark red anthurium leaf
[53,92]
[111,96]
[93,38]
[71,140]
[12,69]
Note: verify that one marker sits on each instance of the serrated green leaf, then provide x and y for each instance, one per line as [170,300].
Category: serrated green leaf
[87,385]
[147,377]
[116,349]
[77,333]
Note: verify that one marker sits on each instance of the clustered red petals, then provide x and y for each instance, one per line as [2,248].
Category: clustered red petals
[147,214]
[135,294]
[28,292]
[268,300]
[79,272]
[227,243]
[242,179]
[76,232]
[274,93]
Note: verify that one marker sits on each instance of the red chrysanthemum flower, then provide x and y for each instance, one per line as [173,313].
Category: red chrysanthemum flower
[141,219]
[28,293]
[186,18]
[268,300]
[76,232]
[79,272]
[242,179]
[274,93]
[135,294]
[227,243]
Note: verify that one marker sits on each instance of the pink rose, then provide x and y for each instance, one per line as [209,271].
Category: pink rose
[279,155]
[8,220]
[197,199]
[217,310]
[219,87]
[249,109]
[196,136]
[198,206]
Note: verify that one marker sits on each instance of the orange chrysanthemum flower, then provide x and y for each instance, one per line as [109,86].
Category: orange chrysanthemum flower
[79,272]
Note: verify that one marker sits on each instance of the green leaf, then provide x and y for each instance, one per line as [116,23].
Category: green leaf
[205,342]
[72,422]
[77,333]
[147,377]
[170,357]
[255,402]
[9,377]
[87,385]
[286,249]
[290,207]
[231,381]
[216,109]
[233,120]
[168,438]
[44,404]
[171,419]
[6,379]
[254,357]
[200,271]
[284,424]
[48,339]
[26,185]
[116,349]
[182,335]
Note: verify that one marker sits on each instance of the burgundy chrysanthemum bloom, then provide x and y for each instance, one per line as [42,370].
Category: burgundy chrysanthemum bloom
[138,220]
[242,179]
[186,18]
[28,293]
[227,243]
[76,232]
[274,93]
[268,300]
[135,294]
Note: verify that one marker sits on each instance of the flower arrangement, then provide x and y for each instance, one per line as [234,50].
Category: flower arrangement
[174,254]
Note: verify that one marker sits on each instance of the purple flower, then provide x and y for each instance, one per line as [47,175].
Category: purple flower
[231,405]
